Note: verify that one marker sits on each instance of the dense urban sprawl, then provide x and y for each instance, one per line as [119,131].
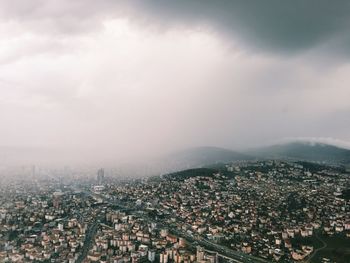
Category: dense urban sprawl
[269,211]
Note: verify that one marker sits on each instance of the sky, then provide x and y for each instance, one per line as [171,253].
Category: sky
[112,80]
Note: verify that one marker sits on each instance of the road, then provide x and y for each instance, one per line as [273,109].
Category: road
[222,251]
[92,229]
[89,235]
[89,240]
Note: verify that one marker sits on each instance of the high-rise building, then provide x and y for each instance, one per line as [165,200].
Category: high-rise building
[100,176]
[200,253]
[57,199]
[163,258]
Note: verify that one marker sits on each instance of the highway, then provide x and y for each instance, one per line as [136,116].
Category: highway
[89,235]
[224,252]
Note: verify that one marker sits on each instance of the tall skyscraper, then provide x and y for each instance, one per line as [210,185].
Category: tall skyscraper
[100,176]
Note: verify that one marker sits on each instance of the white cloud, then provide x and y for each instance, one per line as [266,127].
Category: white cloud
[128,89]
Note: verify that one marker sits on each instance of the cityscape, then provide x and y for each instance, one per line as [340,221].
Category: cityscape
[256,211]
[174,131]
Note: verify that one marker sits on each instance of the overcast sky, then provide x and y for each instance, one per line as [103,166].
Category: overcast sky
[135,78]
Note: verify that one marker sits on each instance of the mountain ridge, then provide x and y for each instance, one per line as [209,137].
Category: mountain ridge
[309,151]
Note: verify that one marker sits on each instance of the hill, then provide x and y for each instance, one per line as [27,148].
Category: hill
[185,174]
[201,157]
[314,152]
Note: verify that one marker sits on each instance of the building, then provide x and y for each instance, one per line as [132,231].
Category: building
[200,253]
[100,176]
[57,199]
[152,255]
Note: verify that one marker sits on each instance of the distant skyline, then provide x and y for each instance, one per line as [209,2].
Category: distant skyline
[108,79]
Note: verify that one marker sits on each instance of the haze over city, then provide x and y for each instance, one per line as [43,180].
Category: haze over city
[174,131]
[118,80]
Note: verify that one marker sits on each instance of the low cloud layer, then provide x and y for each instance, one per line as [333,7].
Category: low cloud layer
[112,80]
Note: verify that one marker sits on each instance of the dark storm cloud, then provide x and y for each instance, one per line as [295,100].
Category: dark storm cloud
[286,26]
[123,78]
[273,25]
